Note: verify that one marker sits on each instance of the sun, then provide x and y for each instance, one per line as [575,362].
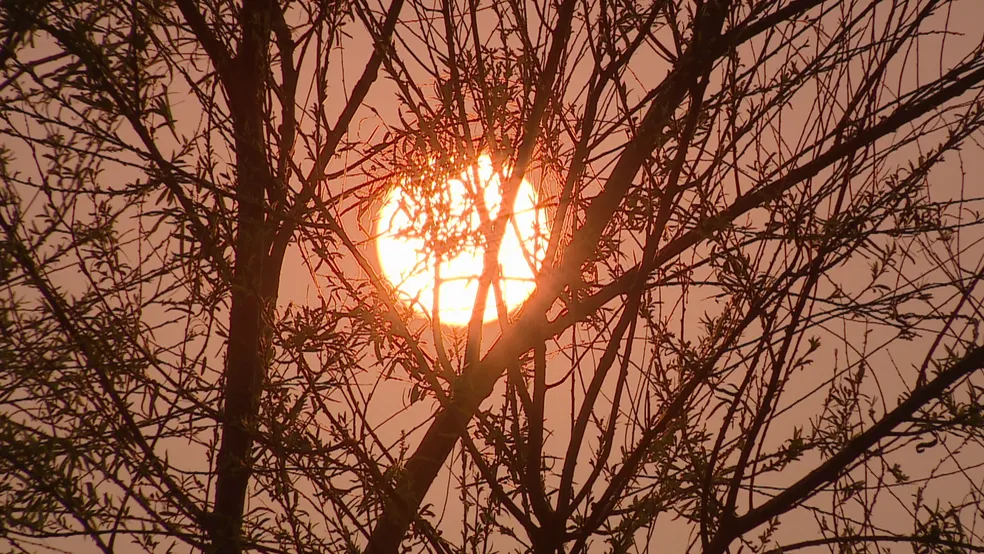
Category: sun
[429,240]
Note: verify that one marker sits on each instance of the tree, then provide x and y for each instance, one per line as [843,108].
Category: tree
[755,323]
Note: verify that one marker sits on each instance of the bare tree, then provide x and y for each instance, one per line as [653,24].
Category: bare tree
[755,320]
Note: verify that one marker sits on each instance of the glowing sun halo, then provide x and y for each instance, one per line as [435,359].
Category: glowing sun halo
[418,226]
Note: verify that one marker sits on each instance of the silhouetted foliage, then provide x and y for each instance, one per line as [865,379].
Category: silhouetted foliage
[755,326]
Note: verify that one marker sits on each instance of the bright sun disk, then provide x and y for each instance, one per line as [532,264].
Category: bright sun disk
[417,226]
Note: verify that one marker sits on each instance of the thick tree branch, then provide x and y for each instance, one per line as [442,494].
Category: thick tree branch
[852,452]
[217,52]
[249,333]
